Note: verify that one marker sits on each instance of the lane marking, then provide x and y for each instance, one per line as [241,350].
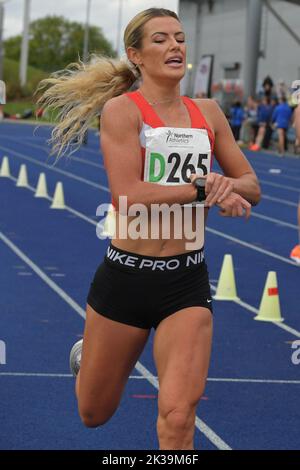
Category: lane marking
[141,377]
[215,232]
[252,247]
[275,221]
[252,309]
[256,381]
[206,430]
[280,201]
[240,302]
[262,165]
[278,185]
[42,275]
[279,176]
[57,170]
[68,159]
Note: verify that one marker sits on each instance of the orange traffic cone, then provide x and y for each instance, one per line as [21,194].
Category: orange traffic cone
[295,253]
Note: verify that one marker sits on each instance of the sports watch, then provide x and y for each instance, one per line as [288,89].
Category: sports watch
[199,183]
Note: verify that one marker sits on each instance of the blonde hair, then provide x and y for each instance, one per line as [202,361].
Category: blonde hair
[80,91]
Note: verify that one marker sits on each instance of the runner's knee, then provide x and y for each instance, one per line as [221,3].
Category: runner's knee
[95,419]
[178,419]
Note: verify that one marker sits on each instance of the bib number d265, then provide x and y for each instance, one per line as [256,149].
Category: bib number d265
[174,169]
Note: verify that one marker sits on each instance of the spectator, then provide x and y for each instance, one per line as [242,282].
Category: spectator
[296,125]
[281,89]
[269,129]
[236,119]
[249,125]
[264,115]
[281,117]
[268,86]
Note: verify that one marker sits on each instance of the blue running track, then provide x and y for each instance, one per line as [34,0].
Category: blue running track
[48,258]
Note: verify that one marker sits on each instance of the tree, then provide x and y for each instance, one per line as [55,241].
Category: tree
[55,42]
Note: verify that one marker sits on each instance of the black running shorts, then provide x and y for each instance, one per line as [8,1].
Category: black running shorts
[142,290]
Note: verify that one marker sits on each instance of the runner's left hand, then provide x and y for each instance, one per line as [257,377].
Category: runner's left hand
[217,187]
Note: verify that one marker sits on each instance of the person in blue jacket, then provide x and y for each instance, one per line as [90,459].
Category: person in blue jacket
[236,119]
[281,117]
[264,114]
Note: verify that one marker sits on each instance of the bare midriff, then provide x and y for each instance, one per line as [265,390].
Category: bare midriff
[160,245]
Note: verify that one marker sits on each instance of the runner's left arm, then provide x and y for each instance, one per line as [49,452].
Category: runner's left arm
[230,158]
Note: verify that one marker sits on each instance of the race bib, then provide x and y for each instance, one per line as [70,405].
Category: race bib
[173,154]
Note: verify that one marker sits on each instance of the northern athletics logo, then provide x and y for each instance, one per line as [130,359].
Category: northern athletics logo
[178,138]
[169,133]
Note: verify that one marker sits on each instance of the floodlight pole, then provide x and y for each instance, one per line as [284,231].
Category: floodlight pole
[120,18]
[25,44]
[1,38]
[86,32]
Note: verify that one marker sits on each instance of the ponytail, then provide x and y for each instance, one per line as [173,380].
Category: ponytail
[79,93]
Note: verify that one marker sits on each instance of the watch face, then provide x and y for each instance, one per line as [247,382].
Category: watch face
[200,183]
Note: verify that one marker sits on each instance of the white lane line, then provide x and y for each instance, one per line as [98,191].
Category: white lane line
[279,175]
[209,433]
[215,232]
[252,247]
[275,221]
[261,165]
[240,302]
[96,153]
[252,309]
[83,149]
[33,374]
[42,275]
[278,185]
[68,159]
[255,381]
[146,377]
[57,170]
[280,201]
[67,208]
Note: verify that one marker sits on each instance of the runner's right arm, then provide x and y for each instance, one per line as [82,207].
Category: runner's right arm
[123,160]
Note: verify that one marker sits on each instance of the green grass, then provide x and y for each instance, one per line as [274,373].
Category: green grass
[11,78]
[18,107]
[16,102]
